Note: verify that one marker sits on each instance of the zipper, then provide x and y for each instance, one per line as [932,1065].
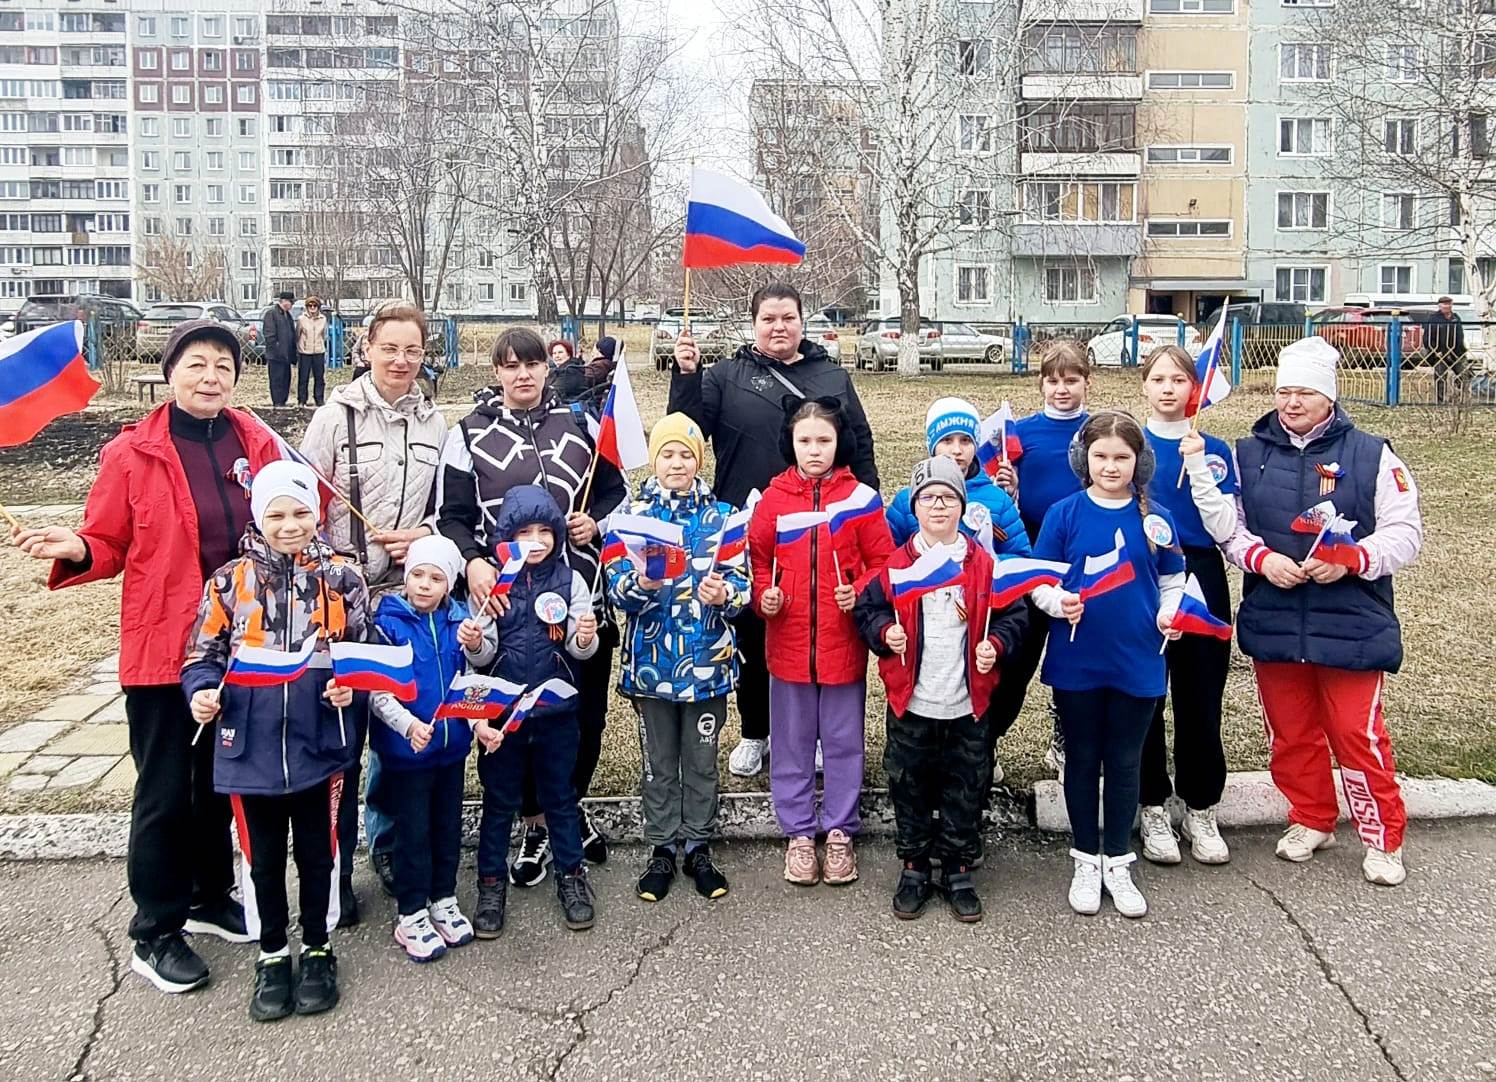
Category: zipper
[286,688]
[218,478]
[404,476]
[815,568]
[442,676]
[1303,594]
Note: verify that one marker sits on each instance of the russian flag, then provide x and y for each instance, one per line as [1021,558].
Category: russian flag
[1015,576]
[790,528]
[1211,384]
[1338,545]
[42,377]
[996,441]
[936,569]
[1106,572]
[1194,616]
[511,557]
[550,693]
[365,666]
[1316,519]
[732,542]
[728,223]
[620,432]
[478,698]
[262,667]
[864,502]
[658,547]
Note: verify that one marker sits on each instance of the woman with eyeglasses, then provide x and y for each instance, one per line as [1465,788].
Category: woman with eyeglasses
[379,440]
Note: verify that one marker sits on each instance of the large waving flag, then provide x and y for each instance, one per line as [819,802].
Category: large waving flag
[366,666]
[1106,572]
[658,548]
[1194,616]
[790,528]
[620,432]
[728,223]
[863,503]
[42,377]
[935,569]
[262,667]
[551,693]
[478,698]
[1211,384]
[996,441]
[1015,576]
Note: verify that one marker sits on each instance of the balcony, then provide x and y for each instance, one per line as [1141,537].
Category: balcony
[1037,240]
[1088,85]
[1091,163]
[1083,11]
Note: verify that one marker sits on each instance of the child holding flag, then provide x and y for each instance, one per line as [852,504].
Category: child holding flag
[426,754]
[1195,482]
[680,655]
[919,615]
[1104,660]
[284,729]
[816,538]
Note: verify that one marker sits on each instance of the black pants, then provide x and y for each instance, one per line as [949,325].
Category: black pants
[310,367]
[263,822]
[280,381]
[180,853]
[753,676]
[1104,731]
[935,765]
[1197,681]
[541,752]
[1016,673]
[594,679]
[426,806]
[356,719]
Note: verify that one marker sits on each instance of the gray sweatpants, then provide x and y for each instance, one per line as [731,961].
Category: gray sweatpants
[678,742]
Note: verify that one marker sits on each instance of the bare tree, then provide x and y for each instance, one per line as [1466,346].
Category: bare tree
[328,240]
[181,268]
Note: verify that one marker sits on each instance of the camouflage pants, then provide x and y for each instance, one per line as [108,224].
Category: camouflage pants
[936,765]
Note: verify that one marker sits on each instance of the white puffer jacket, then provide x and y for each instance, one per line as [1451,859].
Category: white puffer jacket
[399,449]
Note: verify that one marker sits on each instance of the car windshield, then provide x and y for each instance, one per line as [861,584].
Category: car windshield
[53,308]
[173,313]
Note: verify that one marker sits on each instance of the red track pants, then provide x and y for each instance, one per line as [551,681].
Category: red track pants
[1310,711]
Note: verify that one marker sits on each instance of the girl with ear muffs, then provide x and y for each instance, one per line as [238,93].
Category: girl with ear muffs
[1105,659]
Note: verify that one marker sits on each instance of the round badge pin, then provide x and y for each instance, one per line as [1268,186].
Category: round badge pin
[551,608]
[1157,530]
[1217,466]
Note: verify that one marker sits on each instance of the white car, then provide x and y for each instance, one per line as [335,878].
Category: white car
[824,333]
[1112,346]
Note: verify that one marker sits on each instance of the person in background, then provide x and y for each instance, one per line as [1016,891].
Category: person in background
[1444,342]
[311,352]
[280,347]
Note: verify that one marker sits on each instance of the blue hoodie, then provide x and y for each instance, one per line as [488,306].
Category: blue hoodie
[981,494]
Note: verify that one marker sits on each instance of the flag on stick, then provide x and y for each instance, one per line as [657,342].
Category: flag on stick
[43,376]
[1193,617]
[935,569]
[729,223]
[263,667]
[366,666]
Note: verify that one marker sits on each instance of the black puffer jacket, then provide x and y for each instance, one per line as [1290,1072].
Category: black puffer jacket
[738,404]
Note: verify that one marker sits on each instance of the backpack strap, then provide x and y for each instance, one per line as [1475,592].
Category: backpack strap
[355,490]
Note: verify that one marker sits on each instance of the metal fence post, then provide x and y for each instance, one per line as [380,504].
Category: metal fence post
[1131,359]
[1394,361]
[335,342]
[1020,346]
[92,354]
[452,351]
[1236,346]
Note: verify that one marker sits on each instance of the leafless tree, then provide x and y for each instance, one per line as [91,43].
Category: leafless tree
[181,268]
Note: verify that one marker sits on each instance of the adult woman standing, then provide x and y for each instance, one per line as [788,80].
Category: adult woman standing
[168,508]
[1321,635]
[380,440]
[739,405]
[520,433]
[311,351]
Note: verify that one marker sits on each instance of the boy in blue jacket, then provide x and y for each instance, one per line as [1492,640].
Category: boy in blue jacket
[427,755]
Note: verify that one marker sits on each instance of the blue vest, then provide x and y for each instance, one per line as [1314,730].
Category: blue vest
[529,653]
[1349,624]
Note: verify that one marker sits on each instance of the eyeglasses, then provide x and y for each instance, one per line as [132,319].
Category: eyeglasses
[390,352]
[937,499]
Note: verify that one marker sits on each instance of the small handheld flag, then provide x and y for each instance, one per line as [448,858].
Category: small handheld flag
[365,666]
[1193,617]
[996,441]
[551,693]
[43,376]
[935,569]
[792,527]
[478,698]
[732,540]
[1211,384]
[263,667]
[728,223]
[1315,519]
[620,432]
[1337,545]
[1015,576]
[864,502]
[658,547]
[511,557]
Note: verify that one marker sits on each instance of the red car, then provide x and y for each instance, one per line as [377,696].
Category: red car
[1361,332]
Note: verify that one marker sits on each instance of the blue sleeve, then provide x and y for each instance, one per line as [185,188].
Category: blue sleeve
[1006,518]
[901,521]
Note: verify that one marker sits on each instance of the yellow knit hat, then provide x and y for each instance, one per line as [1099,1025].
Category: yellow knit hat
[676,428]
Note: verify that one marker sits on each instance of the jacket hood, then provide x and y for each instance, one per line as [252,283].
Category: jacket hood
[808,350]
[525,505]
[654,493]
[489,401]
[363,396]
[1269,428]
[395,608]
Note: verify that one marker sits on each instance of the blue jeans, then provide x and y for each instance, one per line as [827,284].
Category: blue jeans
[378,829]
[546,748]
[427,821]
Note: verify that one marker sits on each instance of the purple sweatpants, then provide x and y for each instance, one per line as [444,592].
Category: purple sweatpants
[799,715]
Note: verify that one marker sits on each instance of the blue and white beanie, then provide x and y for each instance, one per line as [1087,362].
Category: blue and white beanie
[949,416]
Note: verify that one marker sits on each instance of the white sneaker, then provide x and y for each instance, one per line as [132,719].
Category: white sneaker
[1384,868]
[454,928]
[997,772]
[1085,883]
[1299,842]
[1160,843]
[820,759]
[1116,878]
[1054,758]
[747,759]
[1206,844]
[419,939]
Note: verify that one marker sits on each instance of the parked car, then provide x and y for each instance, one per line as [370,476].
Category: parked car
[878,345]
[822,331]
[963,343]
[1362,332]
[1266,314]
[716,336]
[115,317]
[160,320]
[1112,345]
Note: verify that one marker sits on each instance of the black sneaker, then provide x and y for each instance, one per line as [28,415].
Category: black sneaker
[316,981]
[913,891]
[534,854]
[223,918]
[488,918]
[576,897]
[654,884]
[957,886]
[169,963]
[347,904]
[272,994]
[594,841]
[710,883]
[384,867]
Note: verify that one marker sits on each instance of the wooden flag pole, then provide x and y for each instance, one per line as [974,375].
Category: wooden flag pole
[354,511]
[14,525]
[219,691]
[587,487]
[685,323]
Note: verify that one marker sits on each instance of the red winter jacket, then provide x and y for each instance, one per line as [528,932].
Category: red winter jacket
[811,641]
[875,615]
[140,519]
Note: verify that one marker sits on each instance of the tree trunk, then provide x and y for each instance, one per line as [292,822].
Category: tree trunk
[909,318]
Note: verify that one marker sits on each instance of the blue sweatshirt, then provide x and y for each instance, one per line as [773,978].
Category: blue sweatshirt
[1044,474]
[984,500]
[1165,490]
[1117,640]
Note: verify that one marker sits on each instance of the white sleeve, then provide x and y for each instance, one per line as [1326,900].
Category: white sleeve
[1242,547]
[387,709]
[455,454]
[1170,593]
[1217,509]
[581,605]
[1398,534]
[1048,599]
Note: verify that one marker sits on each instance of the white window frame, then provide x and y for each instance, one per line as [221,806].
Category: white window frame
[1149,223]
[1329,62]
[150,160]
[1308,269]
[214,193]
[147,58]
[1190,8]
[145,26]
[1383,268]
[1311,153]
[150,127]
[1152,79]
[213,94]
[1403,60]
[181,94]
[1406,201]
[971,301]
[1329,210]
[1405,126]
[1081,273]
[150,93]
[984,129]
[1181,148]
[979,222]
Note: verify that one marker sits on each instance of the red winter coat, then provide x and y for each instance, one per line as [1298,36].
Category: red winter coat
[811,641]
[140,519]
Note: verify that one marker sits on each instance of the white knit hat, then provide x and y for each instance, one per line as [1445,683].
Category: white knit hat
[1308,363]
[948,416]
[282,478]
[439,552]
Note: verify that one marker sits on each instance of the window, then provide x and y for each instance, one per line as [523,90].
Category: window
[1069,48]
[1303,62]
[1303,137]
[145,26]
[1191,80]
[151,227]
[150,127]
[975,208]
[246,125]
[977,133]
[246,161]
[1085,127]
[1400,136]
[215,160]
[184,229]
[112,223]
[245,26]
[1397,210]
[487,291]
[150,93]
[1303,210]
[1189,227]
[150,193]
[150,160]
[248,193]
[244,60]
[1305,285]
[77,155]
[1308,3]
[249,227]
[212,26]
[181,95]
[14,189]
[244,93]
[519,292]
[1079,201]
[212,60]
[1396,278]
[248,292]
[110,189]
[213,94]
[215,227]
[213,129]
[179,26]
[181,161]
[147,59]
[973,285]
[249,260]
[973,57]
[181,193]
[215,193]
[1070,285]
[1189,155]
[1191,7]
[181,60]
[181,127]
[1402,63]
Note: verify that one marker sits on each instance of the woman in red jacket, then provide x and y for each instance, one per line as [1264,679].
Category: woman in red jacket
[168,508]
[804,587]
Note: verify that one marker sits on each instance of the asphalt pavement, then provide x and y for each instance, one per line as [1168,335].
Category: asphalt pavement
[1259,969]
